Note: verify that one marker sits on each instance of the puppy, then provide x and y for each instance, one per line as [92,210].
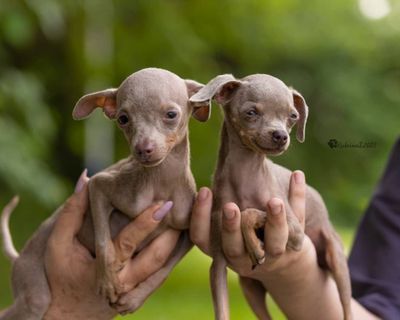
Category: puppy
[260,111]
[151,108]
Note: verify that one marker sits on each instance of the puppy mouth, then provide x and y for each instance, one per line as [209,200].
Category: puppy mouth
[148,163]
[275,150]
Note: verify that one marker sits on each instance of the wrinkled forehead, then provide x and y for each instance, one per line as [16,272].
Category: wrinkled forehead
[151,90]
[266,89]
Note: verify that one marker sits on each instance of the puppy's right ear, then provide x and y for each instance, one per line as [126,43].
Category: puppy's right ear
[302,108]
[221,88]
[106,99]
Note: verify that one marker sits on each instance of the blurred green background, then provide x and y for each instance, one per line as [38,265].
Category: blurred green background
[342,55]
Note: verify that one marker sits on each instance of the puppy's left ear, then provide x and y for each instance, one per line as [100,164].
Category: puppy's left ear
[302,109]
[106,100]
[221,88]
[202,112]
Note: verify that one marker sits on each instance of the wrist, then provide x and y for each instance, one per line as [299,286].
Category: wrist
[301,288]
[291,267]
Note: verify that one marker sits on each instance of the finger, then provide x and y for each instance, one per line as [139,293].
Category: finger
[232,239]
[297,195]
[276,230]
[70,215]
[136,231]
[133,299]
[150,259]
[201,220]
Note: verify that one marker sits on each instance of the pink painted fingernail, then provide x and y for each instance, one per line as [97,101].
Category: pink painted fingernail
[162,212]
[81,181]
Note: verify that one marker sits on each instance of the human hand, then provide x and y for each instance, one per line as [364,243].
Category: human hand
[292,277]
[276,230]
[71,269]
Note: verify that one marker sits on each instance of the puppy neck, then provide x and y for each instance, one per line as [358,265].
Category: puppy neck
[237,158]
[175,164]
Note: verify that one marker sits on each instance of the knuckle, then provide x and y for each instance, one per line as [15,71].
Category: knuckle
[276,251]
[159,257]
[126,245]
[232,252]
[299,192]
[229,225]
[198,240]
[144,225]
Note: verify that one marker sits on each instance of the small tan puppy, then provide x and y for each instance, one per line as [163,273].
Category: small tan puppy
[151,108]
[260,111]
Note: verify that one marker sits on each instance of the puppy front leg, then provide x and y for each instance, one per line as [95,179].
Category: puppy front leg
[106,264]
[252,219]
[296,233]
[134,299]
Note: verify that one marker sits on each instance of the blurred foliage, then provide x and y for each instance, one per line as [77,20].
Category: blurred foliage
[345,65]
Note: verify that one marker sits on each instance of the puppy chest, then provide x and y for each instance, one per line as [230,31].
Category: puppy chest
[252,194]
[177,217]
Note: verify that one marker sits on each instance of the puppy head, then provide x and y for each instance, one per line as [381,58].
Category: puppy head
[261,109]
[151,108]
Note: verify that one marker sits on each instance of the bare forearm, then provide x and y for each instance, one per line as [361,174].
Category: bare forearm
[303,290]
[360,313]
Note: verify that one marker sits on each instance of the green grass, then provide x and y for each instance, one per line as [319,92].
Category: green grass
[186,293]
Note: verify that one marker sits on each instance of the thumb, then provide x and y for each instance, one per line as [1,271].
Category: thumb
[70,215]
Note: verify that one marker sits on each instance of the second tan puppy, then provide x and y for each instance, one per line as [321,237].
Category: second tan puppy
[260,112]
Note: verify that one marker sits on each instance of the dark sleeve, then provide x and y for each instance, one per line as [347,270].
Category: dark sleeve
[375,257]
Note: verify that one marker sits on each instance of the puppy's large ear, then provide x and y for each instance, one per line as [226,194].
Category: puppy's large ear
[221,88]
[106,99]
[201,113]
[302,109]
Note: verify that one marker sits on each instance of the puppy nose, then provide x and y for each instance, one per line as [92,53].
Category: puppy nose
[280,137]
[144,149]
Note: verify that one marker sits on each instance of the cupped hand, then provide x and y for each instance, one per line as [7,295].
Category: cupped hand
[294,279]
[275,231]
[71,269]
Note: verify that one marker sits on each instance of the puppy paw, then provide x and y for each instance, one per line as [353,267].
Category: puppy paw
[251,220]
[109,289]
[295,240]
[296,233]
[127,303]
[257,255]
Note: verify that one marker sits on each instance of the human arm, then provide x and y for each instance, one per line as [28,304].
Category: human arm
[294,279]
[71,269]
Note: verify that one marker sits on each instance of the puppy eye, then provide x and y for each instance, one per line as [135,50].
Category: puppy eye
[251,113]
[294,116]
[123,120]
[171,114]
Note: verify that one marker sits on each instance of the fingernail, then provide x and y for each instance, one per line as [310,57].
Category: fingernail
[299,177]
[229,214]
[162,212]
[276,206]
[81,181]
[203,194]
